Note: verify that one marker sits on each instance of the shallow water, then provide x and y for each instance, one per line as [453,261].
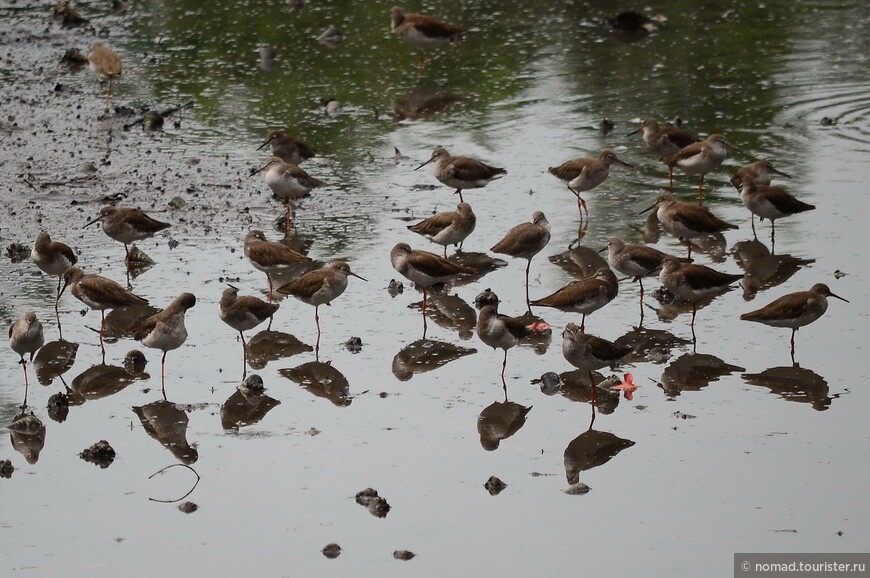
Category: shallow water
[721,463]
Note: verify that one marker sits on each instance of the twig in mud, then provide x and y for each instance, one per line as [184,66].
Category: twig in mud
[29,184]
[161,470]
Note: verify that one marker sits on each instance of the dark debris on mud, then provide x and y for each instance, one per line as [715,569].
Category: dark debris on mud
[100,454]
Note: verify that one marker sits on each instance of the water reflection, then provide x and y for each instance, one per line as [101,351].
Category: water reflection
[653,345]
[27,435]
[794,384]
[451,312]
[763,269]
[577,387]
[247,405]
[322,380]
[581,262]
[422,102]
[591,449]
[425,355]
[124,321]
[269,345]
[103,380]
[693,372]
[54,359]
[499,421]
[167,423]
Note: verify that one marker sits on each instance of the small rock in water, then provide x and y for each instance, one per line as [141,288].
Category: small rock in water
[6,469]
[577,489]
[376,505]
[551,383]
[101,454]
[403,554]
[605,126]
[58,407]
[494,486]
[395,288]
[839,274]
[486,297]
[187,507]
[177,203]
[827,121]
[331,551]
[18,252]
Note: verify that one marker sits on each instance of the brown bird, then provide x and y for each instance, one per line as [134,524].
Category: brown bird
[98,293]
[422,32]
[272,257]
[694,282]
[686,220]
[699,159]
[525,241]
[52,257]
[288,182]
[794,310]
[166,330]
[461,172]
[585,296]
[127,226]
[500,331]
[244,313]
[761,172]
[106,64]
[587,352]
[424,268]
[448,228]
[287,147]
[769,203]
[664,140]
[26,336]
[585,174]
[320,287]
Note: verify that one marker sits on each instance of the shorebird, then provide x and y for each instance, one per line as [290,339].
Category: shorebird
[244,313]
[525,241]
[686,221]
[52,257]
[587,352]
[165,330]
[761,172]
[585,296]
[26,336]
[461,172]
[98,293]
[769,203]
[694,282]
[422,32]
[636,261]
[500,331]
[127,226]
[287,147]
[320,287]
[794,310]
[271,256]
[288,182]
[586,173]
[699,159]
[424,268]
[448,228]
[106,64]
[664,140]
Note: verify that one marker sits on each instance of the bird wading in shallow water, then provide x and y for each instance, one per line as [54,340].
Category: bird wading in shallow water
[461,172]
[165,330]
[422,32]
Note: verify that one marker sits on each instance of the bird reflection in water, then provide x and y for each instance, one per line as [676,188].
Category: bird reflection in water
[764,270]
[693,372]
[580,262]
[54,359]
[269,345]
[167,423]
[247,405]
[322,380]
[794,384]
[27,435]
[499,421]
[104,380]
[576,386]
[451,312]
[425,355]
[591,449]
[422,102]
[653,345]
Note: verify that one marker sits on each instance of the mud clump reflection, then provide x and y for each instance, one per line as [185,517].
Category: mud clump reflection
[100,454]
[494,486]
[375,504]
[331,551]
[6,469]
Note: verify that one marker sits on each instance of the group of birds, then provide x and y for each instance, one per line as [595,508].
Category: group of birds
[678,149]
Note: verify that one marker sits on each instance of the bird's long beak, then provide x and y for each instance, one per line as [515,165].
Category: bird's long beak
[624,163]
[650,208]
[258,171]
[91,222]
[838,297]
[603,249]
[357,276]
[232,287]
[635,131]
[780,173]
[65,285]
[730,146]
[268,140]
[424,164]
